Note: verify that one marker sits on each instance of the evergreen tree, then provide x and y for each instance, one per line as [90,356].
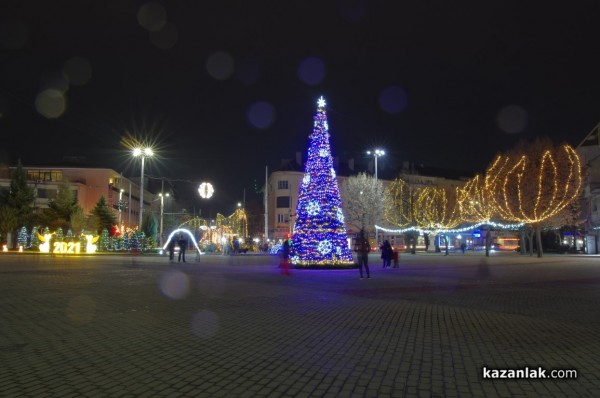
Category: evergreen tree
[134,242]
[61,208]
[150,225]
[22,237]
[59,235]
[16,203]
[8,221]
[77,219]
[104,241]
[319,233]
[69,237]
[35,240]
[106,218]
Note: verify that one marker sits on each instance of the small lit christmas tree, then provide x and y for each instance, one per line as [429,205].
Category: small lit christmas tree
[69,237]
[104,241]
[59,235]
[134,242]
[22,237]
[35,240]
[320,237]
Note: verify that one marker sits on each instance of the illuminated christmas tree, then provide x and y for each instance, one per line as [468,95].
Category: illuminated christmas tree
[319,233]
[22,237]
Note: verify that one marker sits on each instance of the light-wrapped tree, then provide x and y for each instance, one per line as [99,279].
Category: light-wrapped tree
[535,182]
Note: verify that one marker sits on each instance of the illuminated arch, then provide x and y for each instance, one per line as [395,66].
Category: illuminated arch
[177,232]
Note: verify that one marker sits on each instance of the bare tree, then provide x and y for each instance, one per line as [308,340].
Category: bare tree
[535,182]
[363,201]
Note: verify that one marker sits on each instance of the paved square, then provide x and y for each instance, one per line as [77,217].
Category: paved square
[139,326]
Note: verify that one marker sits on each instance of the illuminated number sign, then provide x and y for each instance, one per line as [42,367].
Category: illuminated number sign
[67,248]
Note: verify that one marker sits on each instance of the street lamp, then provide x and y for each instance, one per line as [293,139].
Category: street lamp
[376,154]
[162,209]
[120,206]
[143,153]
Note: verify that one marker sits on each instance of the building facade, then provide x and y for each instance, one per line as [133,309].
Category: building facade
[88,184]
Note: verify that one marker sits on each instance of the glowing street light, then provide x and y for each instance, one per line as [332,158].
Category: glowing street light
[376,154]
[143,153]
[162,209]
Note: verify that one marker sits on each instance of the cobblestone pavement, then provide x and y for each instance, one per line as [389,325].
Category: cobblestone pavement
[119,326]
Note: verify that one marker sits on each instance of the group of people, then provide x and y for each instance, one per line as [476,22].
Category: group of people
[182,242]
[362,247]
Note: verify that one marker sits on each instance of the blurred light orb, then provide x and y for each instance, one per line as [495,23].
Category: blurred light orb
[13,34]
[81,309]
[152,16]
[220,65]
[174,285]
[78,71]
[261,114]
[206,190]
[165,38]
[393,99]
[311,71]
[248,71]
[50,103]
[512,119]
[205,324]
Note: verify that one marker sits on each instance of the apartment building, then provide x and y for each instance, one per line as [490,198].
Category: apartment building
[88,185]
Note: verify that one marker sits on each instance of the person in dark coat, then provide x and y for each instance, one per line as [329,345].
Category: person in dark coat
[182,246]
[285,260]
[362,249]
[171,248]
[386,253]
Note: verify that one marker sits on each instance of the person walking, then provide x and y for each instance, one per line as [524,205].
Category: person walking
[182,246]
[386,254]
[171,248]
[285,258]
[362,248]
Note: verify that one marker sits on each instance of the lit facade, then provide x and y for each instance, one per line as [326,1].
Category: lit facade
[89,184]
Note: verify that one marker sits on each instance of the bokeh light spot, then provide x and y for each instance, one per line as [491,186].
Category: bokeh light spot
[50,103]
[152,16]
[81,309]
[13,35]
[512,119]
[205,324]
[248,71]
[393,99]
[174,284]
[261,114]
[220,65]
[78,71]
[165,38]
[311,71]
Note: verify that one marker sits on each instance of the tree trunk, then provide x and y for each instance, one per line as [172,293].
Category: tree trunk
[538,238]
[530,239]
[523,242]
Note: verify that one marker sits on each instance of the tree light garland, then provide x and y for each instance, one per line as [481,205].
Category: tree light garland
[319,236]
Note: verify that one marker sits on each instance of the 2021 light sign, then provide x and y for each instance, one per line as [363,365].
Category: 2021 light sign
[67,247]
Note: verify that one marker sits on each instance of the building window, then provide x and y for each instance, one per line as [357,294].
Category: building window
[283,184]
[283,218]
[44,193]
[283,202]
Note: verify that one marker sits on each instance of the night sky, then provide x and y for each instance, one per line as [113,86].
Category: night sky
[222,89]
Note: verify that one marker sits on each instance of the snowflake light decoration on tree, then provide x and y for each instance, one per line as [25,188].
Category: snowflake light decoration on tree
[312,208]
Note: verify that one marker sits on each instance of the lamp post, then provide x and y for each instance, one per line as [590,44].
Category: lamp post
[162,210]
[143,153]
[376,154]
[120,206]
